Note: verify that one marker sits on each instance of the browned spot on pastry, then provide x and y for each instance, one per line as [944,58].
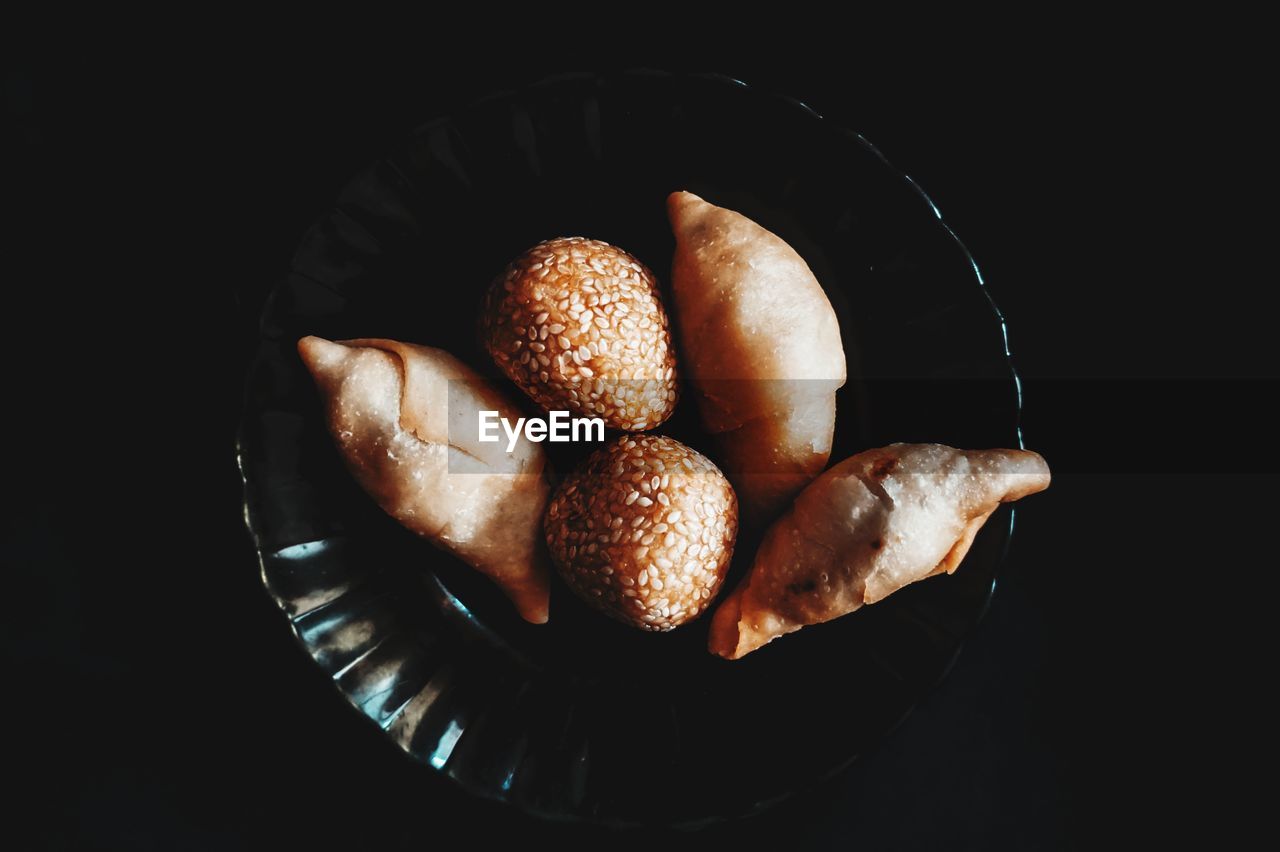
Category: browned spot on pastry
[877,543]
[801,588]
[884,467]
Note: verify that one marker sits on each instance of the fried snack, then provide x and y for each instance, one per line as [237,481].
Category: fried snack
[578,325]
[388,407]
[643,531]
[872,524]
[762,351]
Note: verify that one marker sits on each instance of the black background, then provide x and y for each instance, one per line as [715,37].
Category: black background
[1100,188]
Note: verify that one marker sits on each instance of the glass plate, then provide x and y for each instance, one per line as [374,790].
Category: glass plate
[583,718]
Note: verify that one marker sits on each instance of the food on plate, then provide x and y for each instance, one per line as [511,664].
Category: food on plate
[578,325]
[876,522]
[761,348]
[644,530]
[389,406]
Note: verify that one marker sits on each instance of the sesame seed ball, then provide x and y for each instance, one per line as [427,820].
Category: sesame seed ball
[644,530]
[577,324]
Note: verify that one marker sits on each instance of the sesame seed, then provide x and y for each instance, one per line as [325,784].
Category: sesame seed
[576,300]
[592,507]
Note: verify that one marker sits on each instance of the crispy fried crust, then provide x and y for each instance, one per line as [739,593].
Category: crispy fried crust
[388,407]
[761,347]
[874,523]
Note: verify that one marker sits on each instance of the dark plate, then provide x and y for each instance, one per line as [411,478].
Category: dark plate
[583,718]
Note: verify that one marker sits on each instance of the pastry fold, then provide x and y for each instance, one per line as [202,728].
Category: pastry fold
[761,347]
[876,522]
[405,419]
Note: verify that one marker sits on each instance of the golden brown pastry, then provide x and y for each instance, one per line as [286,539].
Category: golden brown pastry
[388,406]
[762,350]
[643,531]
[577,324]
[872,524]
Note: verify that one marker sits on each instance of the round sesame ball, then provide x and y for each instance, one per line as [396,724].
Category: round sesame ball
[644,530]
[578,325]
